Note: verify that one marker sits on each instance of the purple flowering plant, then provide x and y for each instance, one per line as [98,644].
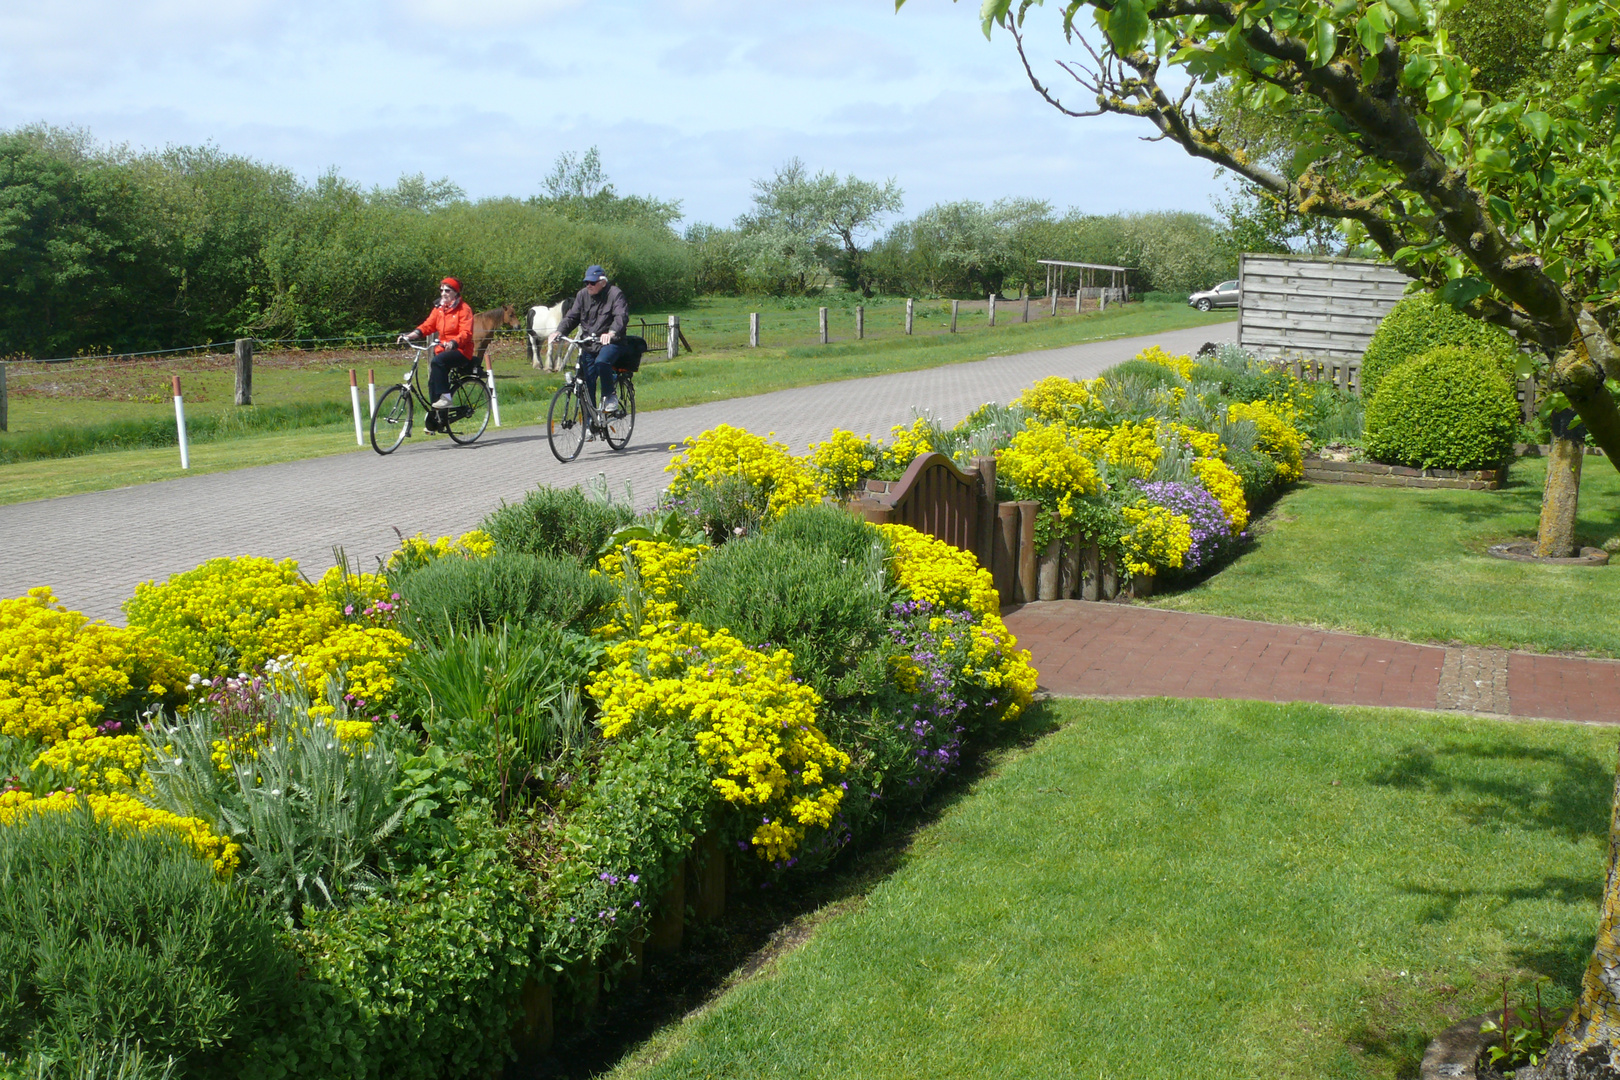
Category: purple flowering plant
[1211,528]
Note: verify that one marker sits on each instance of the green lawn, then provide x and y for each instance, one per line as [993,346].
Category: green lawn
[1194,889]
[1411,564]
[716,371]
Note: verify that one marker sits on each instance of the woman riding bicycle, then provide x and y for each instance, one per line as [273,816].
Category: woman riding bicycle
[602,313]
[452,320]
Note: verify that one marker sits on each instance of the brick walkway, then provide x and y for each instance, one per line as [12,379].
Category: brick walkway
[1124,650]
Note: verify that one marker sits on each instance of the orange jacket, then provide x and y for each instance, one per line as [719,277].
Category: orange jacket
[454,327]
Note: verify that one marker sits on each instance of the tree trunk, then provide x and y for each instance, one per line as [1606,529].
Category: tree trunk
[1560,498]
[1587,1047]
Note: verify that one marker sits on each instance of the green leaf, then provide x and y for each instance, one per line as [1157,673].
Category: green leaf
[990,13]
[1127,25]
[1501,209]
[1524,366]
[1326,42]
[1463,291]
[1404,11]
[1539,124]
[1370,38]
[1555,15]
[1417,71]
[1369,70]
[1341,8]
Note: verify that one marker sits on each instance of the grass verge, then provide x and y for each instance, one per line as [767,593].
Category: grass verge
[1412,564]
[69,447]
[1194,888]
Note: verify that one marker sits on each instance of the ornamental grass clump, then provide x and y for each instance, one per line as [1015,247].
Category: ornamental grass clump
[456,596]
[556,523]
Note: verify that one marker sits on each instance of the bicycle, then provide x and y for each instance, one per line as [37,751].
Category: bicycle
[573,416]
[464,421]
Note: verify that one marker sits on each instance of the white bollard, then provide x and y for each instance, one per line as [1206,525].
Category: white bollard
[494,402]
[371,391]
[354,399]
[180,425]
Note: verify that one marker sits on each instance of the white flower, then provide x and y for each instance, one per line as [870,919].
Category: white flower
[195,678]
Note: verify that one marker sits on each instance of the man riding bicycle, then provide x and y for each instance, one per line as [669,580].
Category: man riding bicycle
[602,313]
[452,320]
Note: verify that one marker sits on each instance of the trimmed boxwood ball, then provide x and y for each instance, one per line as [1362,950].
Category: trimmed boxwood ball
[1420,323]
[1451,408]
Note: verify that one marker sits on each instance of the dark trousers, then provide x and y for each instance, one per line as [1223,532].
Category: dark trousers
[439,373]
[600,368]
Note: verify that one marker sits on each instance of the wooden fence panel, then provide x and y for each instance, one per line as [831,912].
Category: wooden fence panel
[1316,306]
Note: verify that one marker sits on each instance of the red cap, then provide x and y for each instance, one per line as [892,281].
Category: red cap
[452,282]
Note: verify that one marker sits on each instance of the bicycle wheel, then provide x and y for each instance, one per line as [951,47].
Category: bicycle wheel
[468,414]
[620,427]
[565,424]
[392,420]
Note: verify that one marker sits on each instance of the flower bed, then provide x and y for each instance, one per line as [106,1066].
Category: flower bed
[436,816]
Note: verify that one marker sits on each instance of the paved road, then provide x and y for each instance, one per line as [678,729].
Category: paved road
[93,549]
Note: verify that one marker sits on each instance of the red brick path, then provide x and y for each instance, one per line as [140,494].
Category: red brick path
[1123,650]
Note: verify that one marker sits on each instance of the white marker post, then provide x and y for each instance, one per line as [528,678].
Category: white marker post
[494,402]
[371,390]
[354,399]
[180,425]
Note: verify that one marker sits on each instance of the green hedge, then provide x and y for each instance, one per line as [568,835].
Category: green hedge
[1420,323]
[1451,408]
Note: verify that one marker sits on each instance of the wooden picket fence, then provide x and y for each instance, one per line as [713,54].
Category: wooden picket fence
[958,506]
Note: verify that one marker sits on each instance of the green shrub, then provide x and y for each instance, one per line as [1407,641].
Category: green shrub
[1450,408]
[1420,323]
[109,935]
[421,982]
[506,701]
[826,610]
[556,522]
[450,596]
[830,528]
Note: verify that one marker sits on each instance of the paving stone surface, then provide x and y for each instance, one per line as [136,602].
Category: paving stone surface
[93,549]
[1126,650]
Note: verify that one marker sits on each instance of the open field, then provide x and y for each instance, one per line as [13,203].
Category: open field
[1411,564]
[1194,888]
[85,398]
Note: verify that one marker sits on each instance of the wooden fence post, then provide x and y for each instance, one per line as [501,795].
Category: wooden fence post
[3,366]
[822,317]
[909,304]
[1004,556]
[1026,303]
[954,305]
[1078,292]
[860,322]
[753,329]
[244,371]
[674,336]
[1024,590]
[1054,304]
[991,310]
[984,545]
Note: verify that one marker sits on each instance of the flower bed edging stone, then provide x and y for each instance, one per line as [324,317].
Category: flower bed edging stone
[1322,471]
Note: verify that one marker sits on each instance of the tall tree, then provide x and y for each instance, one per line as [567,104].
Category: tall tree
[801,224]
[1503,204]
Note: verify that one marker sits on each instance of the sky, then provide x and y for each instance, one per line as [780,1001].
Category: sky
[689,100]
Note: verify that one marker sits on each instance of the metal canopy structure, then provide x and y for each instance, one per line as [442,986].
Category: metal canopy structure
[1119,285]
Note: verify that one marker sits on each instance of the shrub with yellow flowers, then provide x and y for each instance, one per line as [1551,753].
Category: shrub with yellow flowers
[1182,365]
[1049,463]
[62,674]
[660,569]
[417,551]
[752,722]
[1158,538]
[959,591]
[777,480]
[1054,399]
[907,442]
[1279,438]
[844,461]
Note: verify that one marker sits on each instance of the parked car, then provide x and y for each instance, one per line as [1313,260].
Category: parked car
[1226,294]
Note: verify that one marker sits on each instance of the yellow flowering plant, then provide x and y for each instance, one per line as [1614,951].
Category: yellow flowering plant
[417,551]
[752,723]
[659,570]
[63,675]
[951,583]
[1050,464]
[844,461]
[1158,539]
[1279,438]
[1055,399]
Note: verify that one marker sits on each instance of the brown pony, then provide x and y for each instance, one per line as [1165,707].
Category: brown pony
[485,323]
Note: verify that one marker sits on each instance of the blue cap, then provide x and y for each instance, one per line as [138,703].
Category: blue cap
[594,273]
